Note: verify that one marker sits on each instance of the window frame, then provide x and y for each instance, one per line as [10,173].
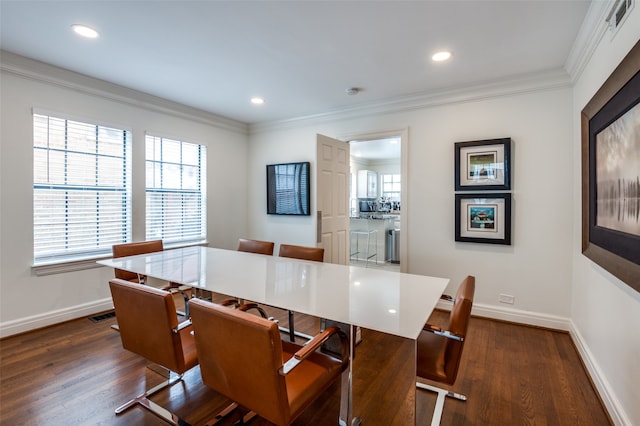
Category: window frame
[199,191]
[66,260]
[392,183]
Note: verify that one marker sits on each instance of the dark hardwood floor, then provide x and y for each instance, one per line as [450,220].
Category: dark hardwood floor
[77,373]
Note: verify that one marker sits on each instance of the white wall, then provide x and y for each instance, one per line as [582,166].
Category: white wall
[605,311]
[536,269]
[28,301]
[272,149]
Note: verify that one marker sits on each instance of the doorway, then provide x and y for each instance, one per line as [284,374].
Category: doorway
[376,201]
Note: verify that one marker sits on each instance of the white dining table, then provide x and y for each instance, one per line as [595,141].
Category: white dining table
[390,302]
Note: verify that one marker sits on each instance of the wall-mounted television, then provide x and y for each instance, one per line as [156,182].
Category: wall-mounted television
[288,189]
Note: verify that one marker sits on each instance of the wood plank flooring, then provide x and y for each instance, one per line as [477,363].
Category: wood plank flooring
[77,373]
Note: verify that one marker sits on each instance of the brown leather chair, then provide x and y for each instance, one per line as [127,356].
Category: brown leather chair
[131,249]
[315,254]
[242,357]
[149,327]
[143,247]
[440,349]
[255,246]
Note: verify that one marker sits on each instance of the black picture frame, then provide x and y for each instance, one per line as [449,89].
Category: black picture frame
[483,218]
[614,244]
[289,189]
[483,165]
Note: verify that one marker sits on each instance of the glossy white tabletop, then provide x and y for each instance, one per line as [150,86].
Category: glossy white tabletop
[390,302]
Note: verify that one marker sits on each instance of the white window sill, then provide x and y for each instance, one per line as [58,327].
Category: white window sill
[66,266]
[88,263]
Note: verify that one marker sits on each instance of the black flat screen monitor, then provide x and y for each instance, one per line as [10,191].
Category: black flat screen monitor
[288,189]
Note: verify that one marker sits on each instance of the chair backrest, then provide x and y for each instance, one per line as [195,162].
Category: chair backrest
[302,252]
[240,355]
[255,246]
[146,319]
[131,249]
[458,324]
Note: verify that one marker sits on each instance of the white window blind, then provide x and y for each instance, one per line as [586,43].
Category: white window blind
[176,190]
[81,189]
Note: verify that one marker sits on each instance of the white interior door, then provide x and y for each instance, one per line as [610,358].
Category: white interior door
[332,198]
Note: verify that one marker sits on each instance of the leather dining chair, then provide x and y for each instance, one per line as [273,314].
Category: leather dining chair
[256,246]
[242,357]
[143,247]
[315,254]
[149,327]
[131,249]
[440,349]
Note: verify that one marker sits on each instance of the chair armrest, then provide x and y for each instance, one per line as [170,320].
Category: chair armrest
[440,332]
[252,305]
[231,302]
[447,298]
[182,326]
[313,345]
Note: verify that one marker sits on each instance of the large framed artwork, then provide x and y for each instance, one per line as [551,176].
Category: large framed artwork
[483,165]
[611,173]
[483,218]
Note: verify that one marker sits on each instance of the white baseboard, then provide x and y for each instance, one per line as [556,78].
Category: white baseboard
[615,410]
[515,316]
[21,325]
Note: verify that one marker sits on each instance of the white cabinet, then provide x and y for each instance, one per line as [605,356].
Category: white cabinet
[367,184]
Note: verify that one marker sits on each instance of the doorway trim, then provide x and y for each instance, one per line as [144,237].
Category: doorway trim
[403,133]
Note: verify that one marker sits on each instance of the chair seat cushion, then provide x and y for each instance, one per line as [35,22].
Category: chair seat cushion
[431,357]
[319,369]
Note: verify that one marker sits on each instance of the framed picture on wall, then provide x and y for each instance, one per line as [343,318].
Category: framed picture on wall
[483,218]
[611,173]
[483,165]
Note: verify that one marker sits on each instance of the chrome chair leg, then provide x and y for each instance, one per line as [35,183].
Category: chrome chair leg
[246,418]
[295,333]
[346,392]
[442,394]
[163,413]
[186,303]
[222,414]
[291,330]
[156,409]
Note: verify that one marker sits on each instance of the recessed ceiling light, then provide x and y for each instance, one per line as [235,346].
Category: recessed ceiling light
[84,31]
[257,101]
[441,56]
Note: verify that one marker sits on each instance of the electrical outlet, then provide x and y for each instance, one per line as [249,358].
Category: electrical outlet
[506,298]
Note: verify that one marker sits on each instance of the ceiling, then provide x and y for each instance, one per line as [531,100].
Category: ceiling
[377,149]
[300,55]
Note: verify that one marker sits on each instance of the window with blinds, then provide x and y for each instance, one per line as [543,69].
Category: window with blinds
[176,190]
[81,189]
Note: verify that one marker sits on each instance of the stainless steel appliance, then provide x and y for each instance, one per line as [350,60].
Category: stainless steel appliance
[366,206]
[393,245]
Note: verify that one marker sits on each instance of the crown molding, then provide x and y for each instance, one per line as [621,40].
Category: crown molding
[594,27]
[45,73]
[526,83]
